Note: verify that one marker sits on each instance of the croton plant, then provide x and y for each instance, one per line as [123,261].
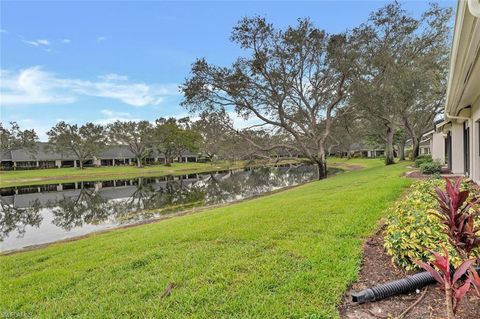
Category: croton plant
[459,216]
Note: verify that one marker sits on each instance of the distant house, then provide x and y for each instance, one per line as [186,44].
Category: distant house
[461,126]
[361,150]
[425,146]
[45,157]
[186,156]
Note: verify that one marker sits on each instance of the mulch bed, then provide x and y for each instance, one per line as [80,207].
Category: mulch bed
[416,174]
[377,268]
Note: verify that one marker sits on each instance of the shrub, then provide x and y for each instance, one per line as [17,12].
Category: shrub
[413,229]
[429,168]
[423,159]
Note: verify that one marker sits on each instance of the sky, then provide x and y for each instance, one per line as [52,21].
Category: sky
[101,61]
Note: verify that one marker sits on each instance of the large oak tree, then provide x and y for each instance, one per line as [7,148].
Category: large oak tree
[291,80]
[137,136]
[83,142]
[172,137]
[402,67]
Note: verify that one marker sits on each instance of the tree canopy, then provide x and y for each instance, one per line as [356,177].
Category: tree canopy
[292,81]
[137,136]
[83,142]
[16,138]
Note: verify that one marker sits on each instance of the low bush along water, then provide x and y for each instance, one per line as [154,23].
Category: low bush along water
[412,230]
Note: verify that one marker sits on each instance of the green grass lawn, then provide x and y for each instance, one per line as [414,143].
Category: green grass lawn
[63,175]
[287,255]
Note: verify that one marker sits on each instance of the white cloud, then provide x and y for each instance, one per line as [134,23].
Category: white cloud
[66,41]
[36,86]
[34,43]
[113,77]
[43,42]
[30,86]
[113,116]
[37,43]
[111,113]
[101,38]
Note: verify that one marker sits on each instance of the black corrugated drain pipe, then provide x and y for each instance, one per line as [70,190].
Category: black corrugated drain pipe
[401,286]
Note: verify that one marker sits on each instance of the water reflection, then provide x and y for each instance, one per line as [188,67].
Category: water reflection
[37,214]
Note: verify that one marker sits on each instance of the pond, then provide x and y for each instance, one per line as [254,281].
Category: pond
[34,215]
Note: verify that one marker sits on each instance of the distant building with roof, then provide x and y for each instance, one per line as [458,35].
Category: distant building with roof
[360,149]
[44,156]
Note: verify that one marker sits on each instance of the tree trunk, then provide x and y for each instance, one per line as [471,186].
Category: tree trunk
[321,167]
[416,148]
[401,150]
[389,156]
[139,162]
[81,164]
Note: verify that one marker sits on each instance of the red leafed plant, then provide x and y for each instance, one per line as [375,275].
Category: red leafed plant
[454,288]
[458,218]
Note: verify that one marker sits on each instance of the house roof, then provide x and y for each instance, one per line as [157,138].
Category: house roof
[117,151]
[188,153]
[5,156]
[44,152]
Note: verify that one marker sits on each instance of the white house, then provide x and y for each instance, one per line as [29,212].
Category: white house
[461,128]
[433,143]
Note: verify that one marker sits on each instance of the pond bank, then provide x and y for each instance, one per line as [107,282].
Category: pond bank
[38,215]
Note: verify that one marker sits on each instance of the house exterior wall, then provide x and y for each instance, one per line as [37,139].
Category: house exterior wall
[437,145]
[457,148]
[462,107]
[474,124]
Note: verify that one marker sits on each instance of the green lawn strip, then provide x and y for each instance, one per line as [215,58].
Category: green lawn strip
[65,175]
[288,255]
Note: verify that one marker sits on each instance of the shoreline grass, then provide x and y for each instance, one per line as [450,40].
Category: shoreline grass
[290,254]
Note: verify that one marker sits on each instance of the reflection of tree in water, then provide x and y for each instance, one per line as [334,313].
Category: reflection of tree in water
[17,219]
[147,201]
[243,184]
[86,208]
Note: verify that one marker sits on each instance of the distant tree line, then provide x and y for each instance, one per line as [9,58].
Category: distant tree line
[167,136]
[170,137]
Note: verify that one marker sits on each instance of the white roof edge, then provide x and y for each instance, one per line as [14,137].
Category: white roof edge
[461,6]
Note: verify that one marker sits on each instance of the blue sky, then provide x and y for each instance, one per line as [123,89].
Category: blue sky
[102,61]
